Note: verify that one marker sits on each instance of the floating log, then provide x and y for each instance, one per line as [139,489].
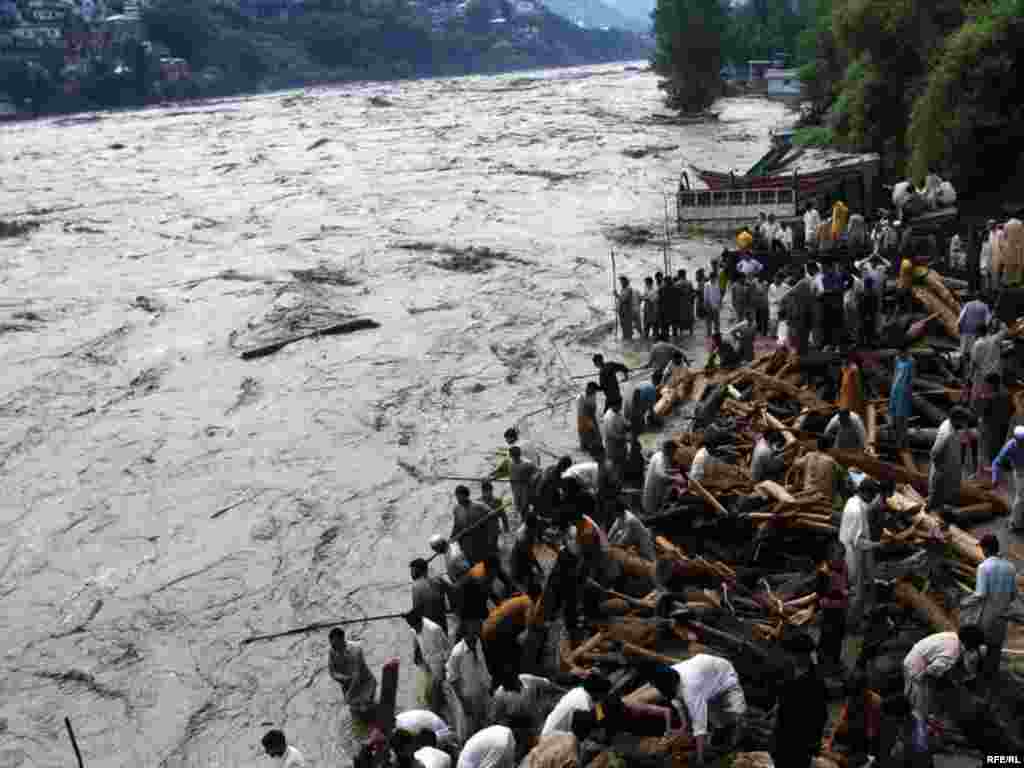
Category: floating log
[349,326]
[923,607]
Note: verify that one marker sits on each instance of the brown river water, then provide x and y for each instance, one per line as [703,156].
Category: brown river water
[161,499]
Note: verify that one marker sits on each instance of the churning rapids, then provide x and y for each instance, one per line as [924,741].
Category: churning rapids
[162,498]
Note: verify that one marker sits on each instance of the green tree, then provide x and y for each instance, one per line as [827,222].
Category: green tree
[688,51]
[969,120]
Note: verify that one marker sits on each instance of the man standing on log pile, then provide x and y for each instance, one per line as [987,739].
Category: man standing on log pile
[629,531]
[803,707]
[996,585]
[701,683]
[855,536]
[548,487]
[821,471]
[994,419]
[901,405]
[974,319]
[503,626]
[986,359]
[608,381]
[874,272]
[1012,456]
[847,432]
[638,408]
[944,474]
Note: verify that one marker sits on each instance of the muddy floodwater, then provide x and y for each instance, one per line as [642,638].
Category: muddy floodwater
[162,498]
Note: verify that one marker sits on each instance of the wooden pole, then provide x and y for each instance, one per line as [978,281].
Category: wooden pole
[615,303]
[74,742]
[317,625]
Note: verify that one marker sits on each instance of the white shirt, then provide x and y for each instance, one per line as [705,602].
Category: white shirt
[489,748]
[812,220]
[467,671]
[416,721]
[433,646]
[430,757]
[613,426]
[775,293]
[853,530]
[586,473]
[292,758]
[701,679]
[985,260]
[934,655]
[560,719]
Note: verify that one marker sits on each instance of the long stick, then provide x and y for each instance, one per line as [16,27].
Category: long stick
[472,479]
[668,262]
[615,303]
[319,625]
[547,407]
[74,742]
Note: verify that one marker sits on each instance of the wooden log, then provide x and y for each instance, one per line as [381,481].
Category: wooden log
[937,306]
[632,565]
[711,500]
[976,513]
[938,288]
[642,654]
[784,388]
[872,428]
[773,490]
[970,492]
[923,607]
[965,545]
[589,646]
[349,326]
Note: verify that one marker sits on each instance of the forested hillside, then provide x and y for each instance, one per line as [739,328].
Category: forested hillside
[929,85]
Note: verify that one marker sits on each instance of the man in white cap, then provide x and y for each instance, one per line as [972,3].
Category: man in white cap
[1012,457]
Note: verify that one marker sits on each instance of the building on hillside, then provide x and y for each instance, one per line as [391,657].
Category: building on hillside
[783,82]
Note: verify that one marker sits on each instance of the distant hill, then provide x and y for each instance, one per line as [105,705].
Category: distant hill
[594,14]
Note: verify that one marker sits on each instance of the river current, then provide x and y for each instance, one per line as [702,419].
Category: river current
[161,498]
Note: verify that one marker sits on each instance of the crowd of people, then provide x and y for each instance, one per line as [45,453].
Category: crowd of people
[479,628]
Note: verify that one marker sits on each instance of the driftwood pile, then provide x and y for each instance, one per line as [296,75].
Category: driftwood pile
[738,562]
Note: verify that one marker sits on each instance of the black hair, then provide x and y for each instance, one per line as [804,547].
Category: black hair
[989,544]
[512,434]
[419,567]
[274,741]
[971,636]
[592,386]
[336,634]
[598,359]
[583,722]
[461,490]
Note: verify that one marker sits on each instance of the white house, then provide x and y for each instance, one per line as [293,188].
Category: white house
[783,82]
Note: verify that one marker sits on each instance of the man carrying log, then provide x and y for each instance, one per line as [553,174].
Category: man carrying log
[1012,457]
[945,471]
[697,685]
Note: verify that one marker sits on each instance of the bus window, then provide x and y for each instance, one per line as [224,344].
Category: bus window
[736,197]
[703,199]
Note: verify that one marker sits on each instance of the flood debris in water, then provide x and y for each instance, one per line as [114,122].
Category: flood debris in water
[649,150]
[473,259]
[17,228]
[633,234]
[317,144]
[324,273]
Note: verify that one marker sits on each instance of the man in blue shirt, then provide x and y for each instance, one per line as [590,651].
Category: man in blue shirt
[638,410]
[996,585]
[1012,456]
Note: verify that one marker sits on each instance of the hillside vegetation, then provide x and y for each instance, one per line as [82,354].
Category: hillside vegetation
[345,39]
[931,86]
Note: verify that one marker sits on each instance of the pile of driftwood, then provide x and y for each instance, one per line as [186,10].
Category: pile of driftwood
[738,562]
